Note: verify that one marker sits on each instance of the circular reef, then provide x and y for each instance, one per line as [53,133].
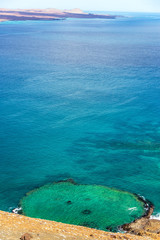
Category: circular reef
[86,205]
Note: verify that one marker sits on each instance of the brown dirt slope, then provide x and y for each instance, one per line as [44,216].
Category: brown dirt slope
[13,227]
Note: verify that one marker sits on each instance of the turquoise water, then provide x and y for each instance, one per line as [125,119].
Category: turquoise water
[80,99]
[85,205]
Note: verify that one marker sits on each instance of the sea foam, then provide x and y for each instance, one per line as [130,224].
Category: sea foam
[157,216]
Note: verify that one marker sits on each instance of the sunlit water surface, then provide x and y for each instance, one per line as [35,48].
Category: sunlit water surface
[80,99]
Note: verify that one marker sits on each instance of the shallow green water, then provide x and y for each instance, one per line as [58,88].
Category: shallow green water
[87,205]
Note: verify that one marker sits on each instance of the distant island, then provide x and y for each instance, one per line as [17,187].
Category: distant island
[47,14]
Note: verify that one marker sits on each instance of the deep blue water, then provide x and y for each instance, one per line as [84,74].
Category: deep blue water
[80,99]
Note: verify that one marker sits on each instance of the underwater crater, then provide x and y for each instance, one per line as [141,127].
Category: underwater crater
[92,206]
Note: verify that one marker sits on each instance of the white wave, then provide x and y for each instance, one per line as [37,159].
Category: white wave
[157,216]
[17,210]
[132,209]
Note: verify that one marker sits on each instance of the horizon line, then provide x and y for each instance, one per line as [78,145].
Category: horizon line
[129,11]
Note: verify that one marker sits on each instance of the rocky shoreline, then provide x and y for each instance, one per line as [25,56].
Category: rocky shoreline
[144,226]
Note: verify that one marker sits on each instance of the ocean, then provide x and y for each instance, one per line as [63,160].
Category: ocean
[80,98]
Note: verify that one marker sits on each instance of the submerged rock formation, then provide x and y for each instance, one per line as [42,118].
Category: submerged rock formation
[85,205]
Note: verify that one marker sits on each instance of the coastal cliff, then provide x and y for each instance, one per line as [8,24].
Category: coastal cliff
[47,14]
[14,227]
